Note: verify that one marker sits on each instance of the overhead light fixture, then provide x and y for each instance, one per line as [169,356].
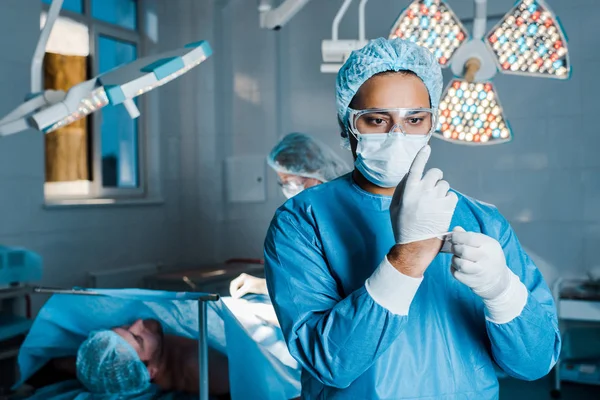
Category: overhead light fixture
[470,110]
[433,25]
[120,86]
[335,51]
[470,113]
[530,41]
[49,110]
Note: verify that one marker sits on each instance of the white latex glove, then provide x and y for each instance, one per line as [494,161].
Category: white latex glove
[479,263]
[244,284]
[422,206]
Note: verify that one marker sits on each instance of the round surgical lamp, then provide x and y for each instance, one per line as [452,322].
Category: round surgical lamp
[527,41]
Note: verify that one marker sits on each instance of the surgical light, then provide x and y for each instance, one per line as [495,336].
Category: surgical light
[50,119]
[529,40]
[120,86]
[431,24]
[470,113]
[49,110]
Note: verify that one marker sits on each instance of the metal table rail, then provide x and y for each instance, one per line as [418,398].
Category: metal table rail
[201,298]
[208,278]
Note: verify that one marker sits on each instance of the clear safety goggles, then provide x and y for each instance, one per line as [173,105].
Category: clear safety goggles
[407,121]
[292,180]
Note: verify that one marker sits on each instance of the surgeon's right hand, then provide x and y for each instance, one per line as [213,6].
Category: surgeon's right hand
[245,284]
[421,209]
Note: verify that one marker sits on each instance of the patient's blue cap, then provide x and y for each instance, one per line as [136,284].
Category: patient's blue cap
[107,364]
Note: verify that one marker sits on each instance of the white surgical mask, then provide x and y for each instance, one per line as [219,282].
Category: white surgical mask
[384,159]
[290,189]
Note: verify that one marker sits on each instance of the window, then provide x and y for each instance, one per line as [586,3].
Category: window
[101,156]
[118,130]
[118,12]
[71,5]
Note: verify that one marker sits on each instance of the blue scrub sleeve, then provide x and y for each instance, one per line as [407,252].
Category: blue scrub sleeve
[335,339]
[528,346]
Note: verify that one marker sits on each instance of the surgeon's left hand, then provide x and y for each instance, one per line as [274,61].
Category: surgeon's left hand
[480,264]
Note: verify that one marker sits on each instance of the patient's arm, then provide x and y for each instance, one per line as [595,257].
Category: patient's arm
[55,370]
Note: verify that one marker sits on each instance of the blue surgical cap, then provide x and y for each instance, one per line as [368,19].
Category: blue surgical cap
[381,55]
[107,364]
[302,155]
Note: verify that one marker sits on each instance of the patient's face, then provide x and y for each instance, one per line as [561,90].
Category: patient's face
[145,336]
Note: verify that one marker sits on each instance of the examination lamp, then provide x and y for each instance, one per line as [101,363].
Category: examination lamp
[431,24]
[470,113]
[528,41]
[120,86]
[49,110]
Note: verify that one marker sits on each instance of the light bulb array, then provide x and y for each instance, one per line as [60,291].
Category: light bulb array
[471,113]
[529,40]
[431,24]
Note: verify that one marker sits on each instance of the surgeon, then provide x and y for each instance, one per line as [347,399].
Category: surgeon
[369,305]
[300,162]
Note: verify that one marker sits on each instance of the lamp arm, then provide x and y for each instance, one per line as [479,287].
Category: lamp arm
[40,49]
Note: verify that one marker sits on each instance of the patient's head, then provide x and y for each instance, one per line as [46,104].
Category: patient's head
[146,338]
[123,360]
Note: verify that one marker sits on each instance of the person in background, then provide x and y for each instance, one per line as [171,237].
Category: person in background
[300,162]
[375,297]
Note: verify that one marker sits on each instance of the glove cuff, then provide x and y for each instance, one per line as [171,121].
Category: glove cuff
[391,289]
[509,304]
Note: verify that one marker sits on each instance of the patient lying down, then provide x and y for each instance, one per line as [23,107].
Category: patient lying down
[126,359]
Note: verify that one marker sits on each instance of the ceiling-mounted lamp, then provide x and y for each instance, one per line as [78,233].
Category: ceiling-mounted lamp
[471,113]
[335,51]
[48,110]
[431,24]
[528,41]
[470,110]
[120,86]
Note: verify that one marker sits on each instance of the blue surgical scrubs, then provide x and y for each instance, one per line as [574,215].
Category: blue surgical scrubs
[321,247]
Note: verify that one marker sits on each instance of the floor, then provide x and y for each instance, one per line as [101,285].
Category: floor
[512,389]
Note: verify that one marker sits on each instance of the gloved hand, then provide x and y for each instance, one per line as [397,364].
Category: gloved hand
[479,263]
[422,206]
[244,284]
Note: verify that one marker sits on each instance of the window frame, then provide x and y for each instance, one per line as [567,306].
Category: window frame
[96,28]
